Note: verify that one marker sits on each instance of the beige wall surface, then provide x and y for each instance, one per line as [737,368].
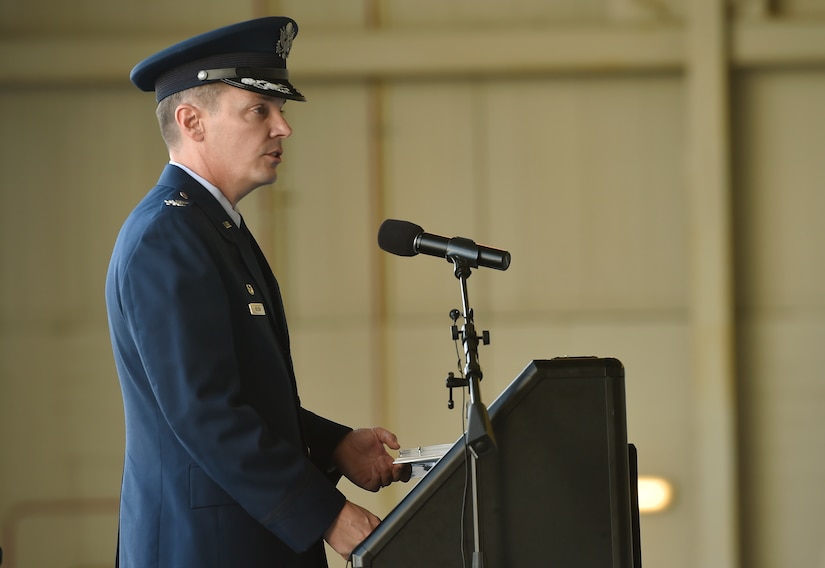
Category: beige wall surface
[655,169]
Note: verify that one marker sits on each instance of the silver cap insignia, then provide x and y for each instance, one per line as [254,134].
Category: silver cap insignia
[284,45]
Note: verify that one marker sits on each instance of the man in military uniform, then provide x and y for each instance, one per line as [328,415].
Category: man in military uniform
[223,467]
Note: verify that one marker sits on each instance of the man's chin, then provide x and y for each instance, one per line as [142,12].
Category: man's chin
[268,180]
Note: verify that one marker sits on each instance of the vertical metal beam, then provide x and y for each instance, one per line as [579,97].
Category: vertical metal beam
[382,399]
[711,286]
[382,396]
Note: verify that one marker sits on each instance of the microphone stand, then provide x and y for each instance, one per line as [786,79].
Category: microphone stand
[479,437]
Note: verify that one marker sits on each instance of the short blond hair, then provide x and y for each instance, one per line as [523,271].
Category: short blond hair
[204,96]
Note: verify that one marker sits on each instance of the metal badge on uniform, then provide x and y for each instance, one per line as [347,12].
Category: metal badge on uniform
[257,309]
[250,289]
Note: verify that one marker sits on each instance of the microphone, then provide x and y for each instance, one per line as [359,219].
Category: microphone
[408,239]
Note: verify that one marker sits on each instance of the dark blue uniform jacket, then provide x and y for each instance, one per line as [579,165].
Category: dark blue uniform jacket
[223,468]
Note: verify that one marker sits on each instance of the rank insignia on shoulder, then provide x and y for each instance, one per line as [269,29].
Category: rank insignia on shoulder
[176,203]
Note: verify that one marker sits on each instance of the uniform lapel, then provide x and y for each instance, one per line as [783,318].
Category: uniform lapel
[264,282]
[264,272]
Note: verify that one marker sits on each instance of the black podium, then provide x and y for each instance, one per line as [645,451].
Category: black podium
[559,491]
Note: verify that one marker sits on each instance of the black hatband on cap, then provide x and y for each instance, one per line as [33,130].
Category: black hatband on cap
[239,72]
[250,55]
[231,68]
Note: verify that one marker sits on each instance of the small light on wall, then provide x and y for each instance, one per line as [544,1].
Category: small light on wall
[655,494]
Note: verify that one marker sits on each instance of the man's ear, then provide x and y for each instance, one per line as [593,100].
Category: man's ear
[190,121]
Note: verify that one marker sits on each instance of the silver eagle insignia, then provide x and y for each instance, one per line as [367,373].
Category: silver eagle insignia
[284,45]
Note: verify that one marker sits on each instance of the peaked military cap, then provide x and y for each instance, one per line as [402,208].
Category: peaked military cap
[249,55]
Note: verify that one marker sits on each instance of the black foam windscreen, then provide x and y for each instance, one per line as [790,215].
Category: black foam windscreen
[398,237]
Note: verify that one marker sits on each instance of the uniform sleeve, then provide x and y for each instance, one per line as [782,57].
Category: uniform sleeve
[323,436]
[175,300]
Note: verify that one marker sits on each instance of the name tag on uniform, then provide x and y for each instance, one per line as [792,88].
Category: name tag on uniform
[257,309]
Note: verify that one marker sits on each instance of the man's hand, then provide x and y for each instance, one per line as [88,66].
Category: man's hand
[363,459]
[352,525]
